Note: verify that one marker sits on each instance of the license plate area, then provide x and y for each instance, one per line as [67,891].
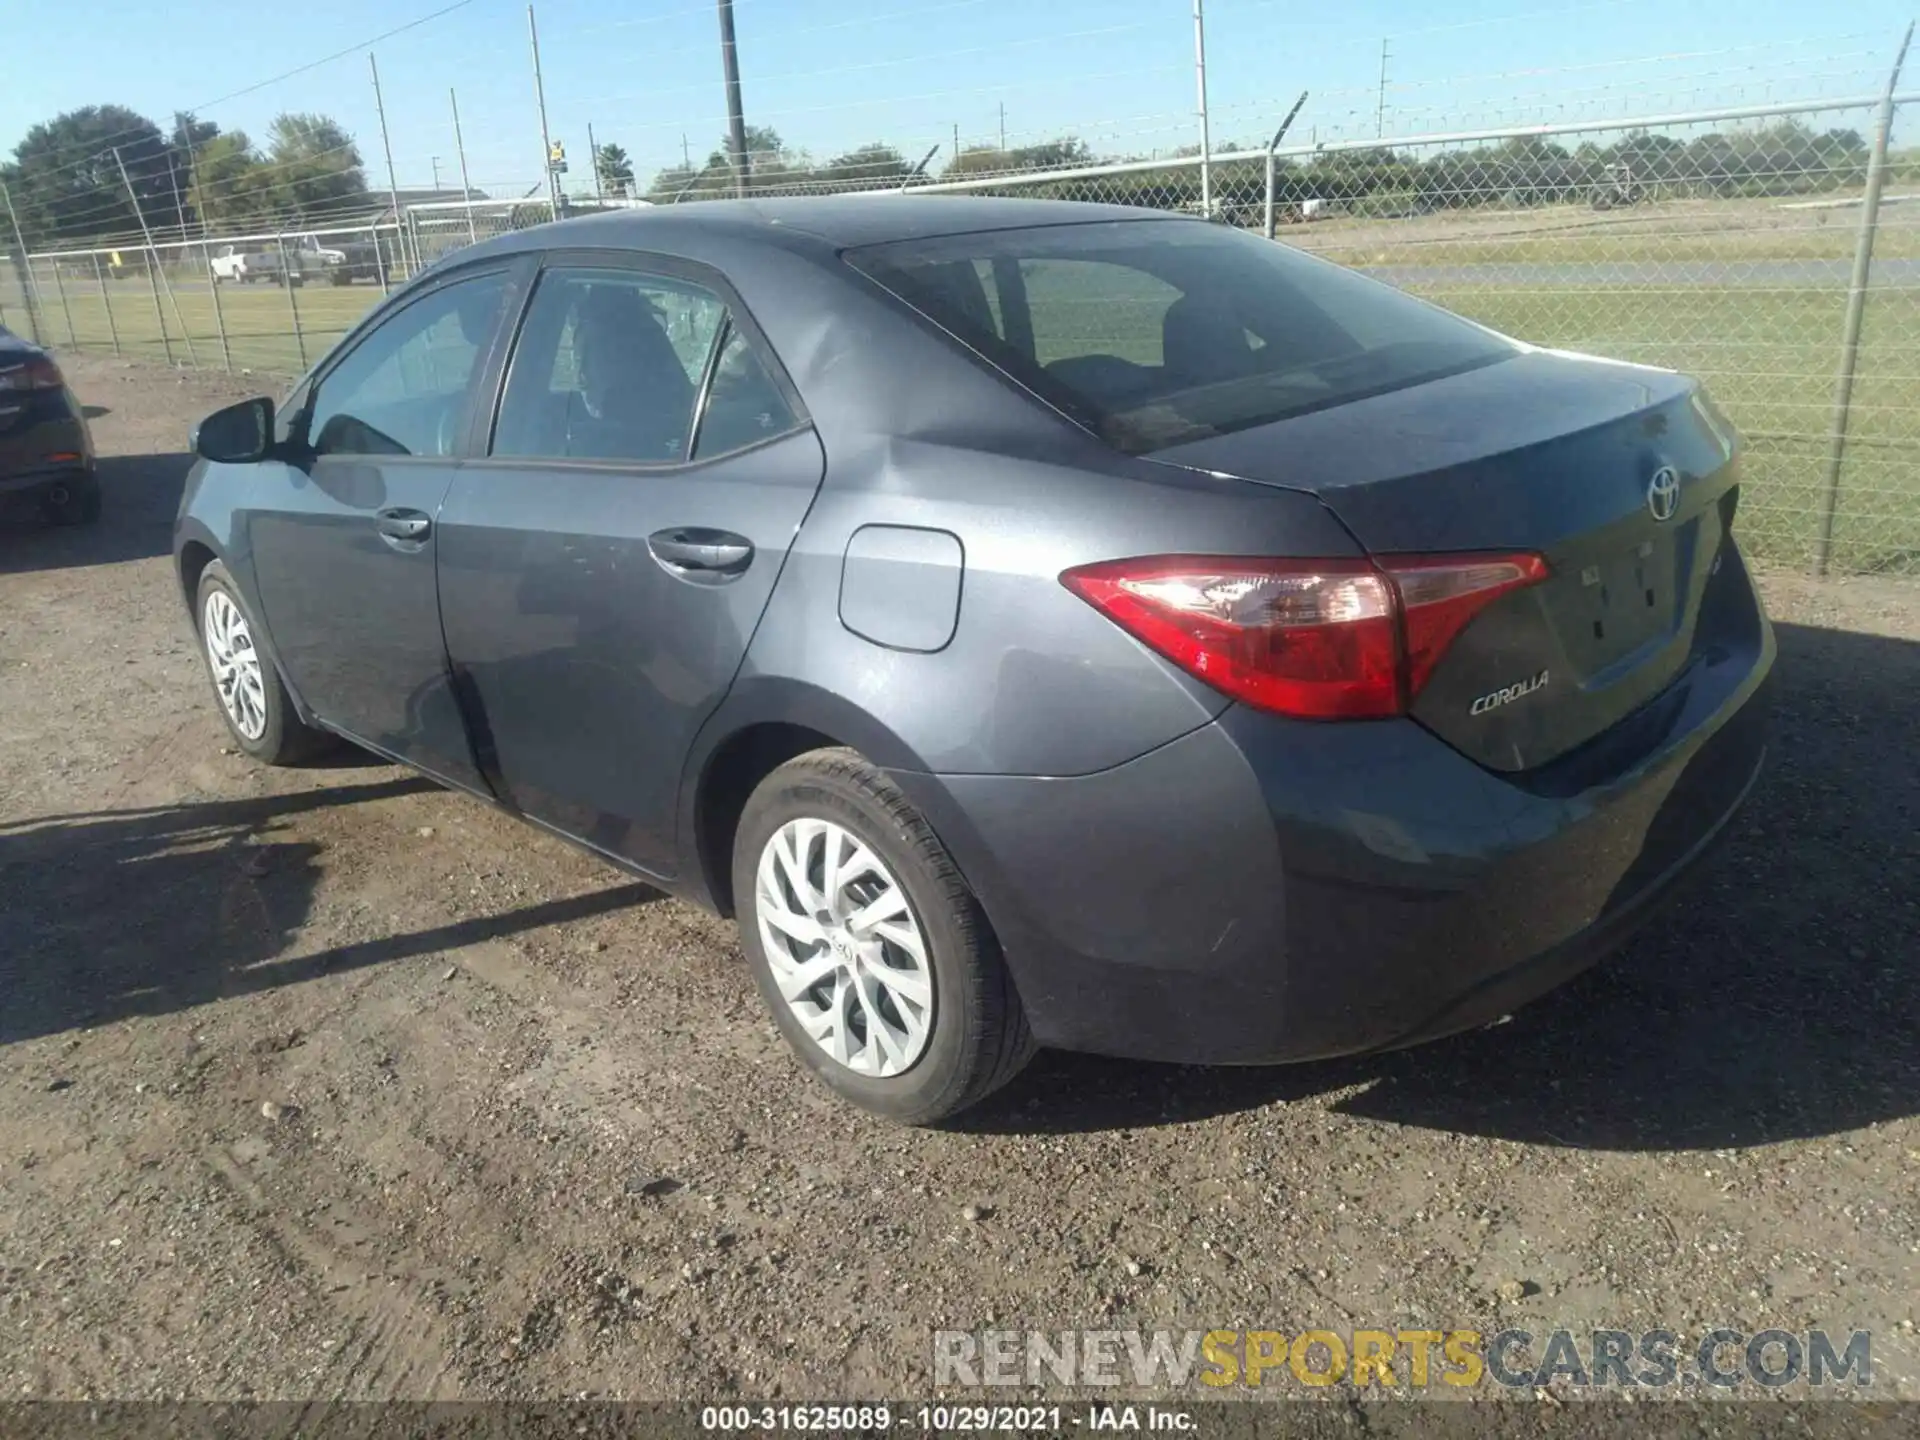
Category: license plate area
[1625,599]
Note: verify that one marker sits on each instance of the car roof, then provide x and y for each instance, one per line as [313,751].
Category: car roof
[842,221]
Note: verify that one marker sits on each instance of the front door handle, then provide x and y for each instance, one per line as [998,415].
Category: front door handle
[408,525]
[705,556]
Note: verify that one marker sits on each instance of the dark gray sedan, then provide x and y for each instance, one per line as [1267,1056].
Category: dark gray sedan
[46,452]
[1040,624]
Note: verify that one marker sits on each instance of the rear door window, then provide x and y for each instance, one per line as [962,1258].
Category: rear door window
[624,365]
[1153,333]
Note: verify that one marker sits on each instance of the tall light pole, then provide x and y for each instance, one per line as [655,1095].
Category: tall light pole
[546,140]
[736,125]
[1380,111]
[1206,140]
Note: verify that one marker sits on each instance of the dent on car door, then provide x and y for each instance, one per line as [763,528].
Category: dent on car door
[602,571]
[342,541]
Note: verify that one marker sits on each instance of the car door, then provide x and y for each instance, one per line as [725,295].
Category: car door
[343,539]
[603,568]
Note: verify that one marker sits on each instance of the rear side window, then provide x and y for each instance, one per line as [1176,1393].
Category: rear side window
[744,406]
[614,365]
[1153,333]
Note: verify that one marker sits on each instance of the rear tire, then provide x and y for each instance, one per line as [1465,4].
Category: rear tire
[253,702]
[913,1015]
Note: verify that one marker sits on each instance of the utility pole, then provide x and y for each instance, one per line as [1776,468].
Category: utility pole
[1380,114]
[466,185]
[546,140]
[593,153]
[393,184]
[173,173]
[1003,125]
[736,124]
[1206,140]
[956,139]
[435,159]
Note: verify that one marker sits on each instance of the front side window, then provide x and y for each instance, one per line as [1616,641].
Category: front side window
[1154,332]
[608,367]
[403,389]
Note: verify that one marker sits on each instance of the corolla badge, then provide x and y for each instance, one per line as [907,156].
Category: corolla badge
[1663,493]
[1507,694]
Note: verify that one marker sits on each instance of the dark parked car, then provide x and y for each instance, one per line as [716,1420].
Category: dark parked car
[46,453]
[1040,624]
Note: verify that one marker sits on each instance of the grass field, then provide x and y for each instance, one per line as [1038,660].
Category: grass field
[1768,352]
[1768,356]
[258,320]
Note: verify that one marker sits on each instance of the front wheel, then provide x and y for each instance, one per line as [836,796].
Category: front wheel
[873,955]
[253,701]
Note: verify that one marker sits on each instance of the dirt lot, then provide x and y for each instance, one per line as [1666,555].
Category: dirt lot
[527,1131]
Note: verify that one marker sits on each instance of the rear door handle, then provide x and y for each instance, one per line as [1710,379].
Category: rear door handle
[410,525]
[706,556]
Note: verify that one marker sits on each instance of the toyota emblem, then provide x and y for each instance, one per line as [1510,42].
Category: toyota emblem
[1663,493]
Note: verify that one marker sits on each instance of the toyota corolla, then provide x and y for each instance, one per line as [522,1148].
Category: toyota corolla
[1039,624]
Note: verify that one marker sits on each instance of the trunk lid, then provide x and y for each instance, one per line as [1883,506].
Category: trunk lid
[1622,477]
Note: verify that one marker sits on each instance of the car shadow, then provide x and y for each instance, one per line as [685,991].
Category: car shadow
[139,497]
[1775,999]
[111,915]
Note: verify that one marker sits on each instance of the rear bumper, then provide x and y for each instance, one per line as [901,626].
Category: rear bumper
[1267,890]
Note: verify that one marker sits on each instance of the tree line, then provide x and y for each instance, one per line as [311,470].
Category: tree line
[1787,157]
[98,172]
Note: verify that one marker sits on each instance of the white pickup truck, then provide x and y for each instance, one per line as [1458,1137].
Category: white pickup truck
[235,263]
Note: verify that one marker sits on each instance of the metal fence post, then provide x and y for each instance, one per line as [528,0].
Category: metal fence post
[60,289]
[24,264]
[106,302]
[379,258]
[386,144]
[158,274]
[1856,308]
[293,302]
[466,185]
[1273,145]
[159,311]
[219,312]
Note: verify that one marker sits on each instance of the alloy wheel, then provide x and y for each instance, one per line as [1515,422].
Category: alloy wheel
[236,665]
[844,946]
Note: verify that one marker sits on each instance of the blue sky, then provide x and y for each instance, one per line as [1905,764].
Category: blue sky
[832,74]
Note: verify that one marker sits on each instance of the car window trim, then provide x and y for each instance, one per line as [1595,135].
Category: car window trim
[666,267]
[714,351]
[514,267]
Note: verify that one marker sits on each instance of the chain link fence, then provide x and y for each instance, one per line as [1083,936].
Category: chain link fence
[1727,244]
[272,302]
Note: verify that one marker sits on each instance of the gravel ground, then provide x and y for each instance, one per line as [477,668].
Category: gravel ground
[328,1082]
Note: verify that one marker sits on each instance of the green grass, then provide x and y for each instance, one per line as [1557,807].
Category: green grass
[1768,356]
[258,320]
[1817,235]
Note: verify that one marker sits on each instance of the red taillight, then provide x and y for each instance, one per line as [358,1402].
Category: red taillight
[1317,639]
[39,373]
[1439,594]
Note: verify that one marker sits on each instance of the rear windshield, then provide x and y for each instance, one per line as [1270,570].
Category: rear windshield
[1152,333]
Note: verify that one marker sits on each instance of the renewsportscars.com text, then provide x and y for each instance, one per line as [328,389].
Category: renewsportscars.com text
[1403,1359]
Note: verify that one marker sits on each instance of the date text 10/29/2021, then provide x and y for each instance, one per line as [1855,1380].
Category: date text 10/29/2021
[945,1419]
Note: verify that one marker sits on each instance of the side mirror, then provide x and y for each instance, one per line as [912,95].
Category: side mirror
[238,435]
